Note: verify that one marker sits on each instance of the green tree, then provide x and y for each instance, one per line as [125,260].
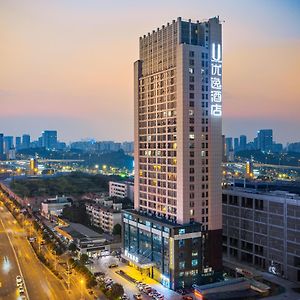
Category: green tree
[84,258]
[117,291]
[72,247]
[117,230]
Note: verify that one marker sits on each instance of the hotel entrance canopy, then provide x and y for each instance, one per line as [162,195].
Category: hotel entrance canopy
[138,260]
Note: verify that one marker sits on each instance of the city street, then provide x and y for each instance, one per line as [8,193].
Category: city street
[18,258]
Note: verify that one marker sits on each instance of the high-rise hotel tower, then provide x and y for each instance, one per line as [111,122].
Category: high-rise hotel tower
[174,233]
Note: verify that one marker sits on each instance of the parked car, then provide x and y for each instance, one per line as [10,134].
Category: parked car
[19,281]
[137,296]
[113,266]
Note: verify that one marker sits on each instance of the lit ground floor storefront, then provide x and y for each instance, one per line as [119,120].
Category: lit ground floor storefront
[172,254]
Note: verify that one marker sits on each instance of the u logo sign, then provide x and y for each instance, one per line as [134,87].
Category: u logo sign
[216,55]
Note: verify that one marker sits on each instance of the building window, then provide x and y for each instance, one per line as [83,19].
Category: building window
[194,262]
[181,231]
[195,253]
[195,241]
[181,243]
[181,265]
[191,70]
[191,53]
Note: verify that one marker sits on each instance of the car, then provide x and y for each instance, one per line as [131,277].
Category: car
[113,266]
[19,281]
[125,297]
[21,290]
[137,296]
[91,292]
[147,289]
[187,298]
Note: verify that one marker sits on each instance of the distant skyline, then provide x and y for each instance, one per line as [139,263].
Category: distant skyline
[68,65]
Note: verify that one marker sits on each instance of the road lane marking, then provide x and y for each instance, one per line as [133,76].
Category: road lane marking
[19,267]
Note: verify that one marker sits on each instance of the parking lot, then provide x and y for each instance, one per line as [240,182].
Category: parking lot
[102,265]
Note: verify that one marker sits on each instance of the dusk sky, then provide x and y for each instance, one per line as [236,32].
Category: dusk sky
[68,64]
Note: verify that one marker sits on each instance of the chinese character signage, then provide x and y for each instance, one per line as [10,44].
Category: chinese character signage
[216,80]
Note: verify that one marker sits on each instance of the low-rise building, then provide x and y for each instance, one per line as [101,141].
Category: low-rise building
[54,206]
[170,253]
[105,214]
[263,229]
[96,247]
[123,189]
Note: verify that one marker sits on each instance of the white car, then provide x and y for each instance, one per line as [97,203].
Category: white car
[21,290]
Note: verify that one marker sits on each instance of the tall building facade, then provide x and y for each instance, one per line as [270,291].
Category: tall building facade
[1,145]
[236,144]
[8,144]
[265,139]
[25,141]
[49,139]
[175,230]
[18,143]
[243,142]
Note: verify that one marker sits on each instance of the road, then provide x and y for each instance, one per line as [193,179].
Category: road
[18,258]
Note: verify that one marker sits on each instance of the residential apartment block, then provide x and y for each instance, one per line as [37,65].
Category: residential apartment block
[104,215]
[123,189]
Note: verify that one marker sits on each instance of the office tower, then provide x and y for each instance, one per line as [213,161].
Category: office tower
[174,233]
[26,141]
[49,139]
[1,145]
[39,142]
[265,139]
[18,143]
[277,147]
[236,144]
[228,145]
[8,144]
[261,229]
[255,143]
[243,142]
[293,147]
